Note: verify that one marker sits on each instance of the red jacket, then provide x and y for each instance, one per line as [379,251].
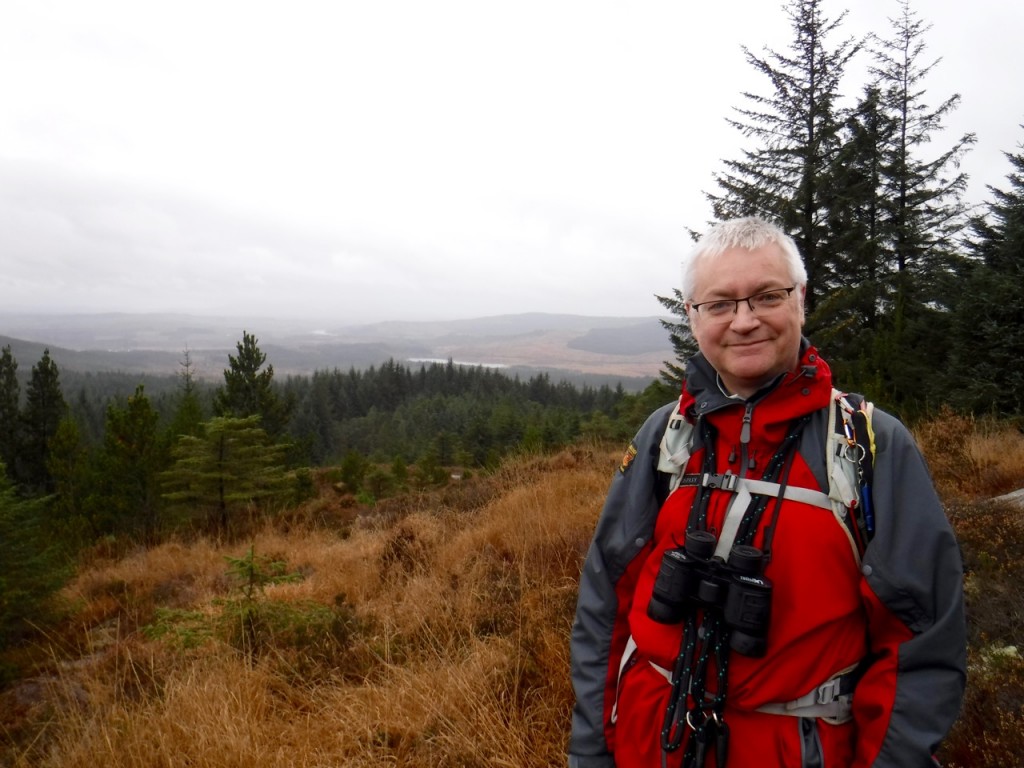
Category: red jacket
[900,612]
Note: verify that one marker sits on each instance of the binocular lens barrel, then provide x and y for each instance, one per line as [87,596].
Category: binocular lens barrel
[690,577]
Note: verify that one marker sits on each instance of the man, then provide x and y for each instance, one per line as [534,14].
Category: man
[730,609]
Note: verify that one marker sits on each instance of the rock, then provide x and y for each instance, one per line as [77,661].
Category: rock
[1014,498]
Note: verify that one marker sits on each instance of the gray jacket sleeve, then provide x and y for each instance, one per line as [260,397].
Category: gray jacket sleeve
[914,567]
[623,530]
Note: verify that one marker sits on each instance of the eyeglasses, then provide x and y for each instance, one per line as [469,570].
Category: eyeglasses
[760,304]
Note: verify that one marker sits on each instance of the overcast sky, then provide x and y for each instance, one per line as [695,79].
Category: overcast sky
[360,161]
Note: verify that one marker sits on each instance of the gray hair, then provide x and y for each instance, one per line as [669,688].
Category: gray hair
[748,233]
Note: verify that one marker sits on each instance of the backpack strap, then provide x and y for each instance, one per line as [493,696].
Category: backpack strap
[850,450]
[864,433]
[850,458]
[676,446]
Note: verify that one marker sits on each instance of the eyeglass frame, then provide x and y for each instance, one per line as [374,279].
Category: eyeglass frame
[736,303]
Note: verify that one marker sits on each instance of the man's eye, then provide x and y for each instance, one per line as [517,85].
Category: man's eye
[769,299]
[720,307]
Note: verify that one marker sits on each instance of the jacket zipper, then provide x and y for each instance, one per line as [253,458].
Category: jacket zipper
[748,416]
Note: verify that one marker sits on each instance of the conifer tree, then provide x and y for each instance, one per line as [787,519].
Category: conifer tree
[44,409]
[920,214]
[188,416]
[785,176]
[232,464]
[10,413]
[248,389]
[850,314]
[683,344]
[69,466]
[923,194]
[313,425]
[32,563]
[133,454]
[988,330]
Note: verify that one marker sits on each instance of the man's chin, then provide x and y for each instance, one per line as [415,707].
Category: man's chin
[749,378]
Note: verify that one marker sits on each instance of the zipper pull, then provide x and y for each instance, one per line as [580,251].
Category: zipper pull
[748,415]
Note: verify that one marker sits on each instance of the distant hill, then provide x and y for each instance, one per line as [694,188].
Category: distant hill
[156,343]
[637,339]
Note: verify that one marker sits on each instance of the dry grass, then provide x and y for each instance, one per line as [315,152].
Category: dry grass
[434,633]
[446,644]
[972,459]
[972,462]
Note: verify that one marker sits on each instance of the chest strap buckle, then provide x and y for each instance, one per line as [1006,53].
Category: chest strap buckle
[725,482]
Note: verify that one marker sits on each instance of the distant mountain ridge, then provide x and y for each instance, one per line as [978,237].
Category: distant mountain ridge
[156,343]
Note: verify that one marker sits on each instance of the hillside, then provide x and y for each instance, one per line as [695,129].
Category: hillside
[154,344]
[430,630]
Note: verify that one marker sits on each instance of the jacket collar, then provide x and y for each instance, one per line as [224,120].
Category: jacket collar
[703,393]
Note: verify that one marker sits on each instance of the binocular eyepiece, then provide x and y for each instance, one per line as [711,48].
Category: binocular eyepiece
[691,577]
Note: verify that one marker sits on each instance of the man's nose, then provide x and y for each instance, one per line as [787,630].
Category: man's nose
[744,316]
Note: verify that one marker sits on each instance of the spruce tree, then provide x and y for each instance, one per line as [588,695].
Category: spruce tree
[847,318]
[785,176]
[985,374]
[188,415]
[683,344]
[922,195]
[920,215]
[44,409]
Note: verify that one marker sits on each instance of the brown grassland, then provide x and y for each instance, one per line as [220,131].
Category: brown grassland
[430,631]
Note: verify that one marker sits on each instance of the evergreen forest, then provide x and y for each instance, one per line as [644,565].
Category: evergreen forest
[195,459]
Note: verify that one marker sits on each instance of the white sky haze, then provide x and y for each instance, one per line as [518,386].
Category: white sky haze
[363,161]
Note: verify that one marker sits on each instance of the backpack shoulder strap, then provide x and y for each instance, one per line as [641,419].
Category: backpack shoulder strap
[850,449]
[850,462]
[676,447]
[864,434]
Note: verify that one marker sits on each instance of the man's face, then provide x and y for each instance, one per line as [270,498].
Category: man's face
[747,350]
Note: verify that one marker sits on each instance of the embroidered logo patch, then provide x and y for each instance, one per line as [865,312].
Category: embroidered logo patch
[627,458]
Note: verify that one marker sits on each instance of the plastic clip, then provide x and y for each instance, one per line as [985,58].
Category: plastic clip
[725,482]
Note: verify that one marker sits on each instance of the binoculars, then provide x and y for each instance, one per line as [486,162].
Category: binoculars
[691,577]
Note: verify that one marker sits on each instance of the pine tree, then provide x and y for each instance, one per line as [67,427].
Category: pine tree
[232,464]
[69,466]
[32,564]
[10,414]
[133,454]
[249,391]
[44,409]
